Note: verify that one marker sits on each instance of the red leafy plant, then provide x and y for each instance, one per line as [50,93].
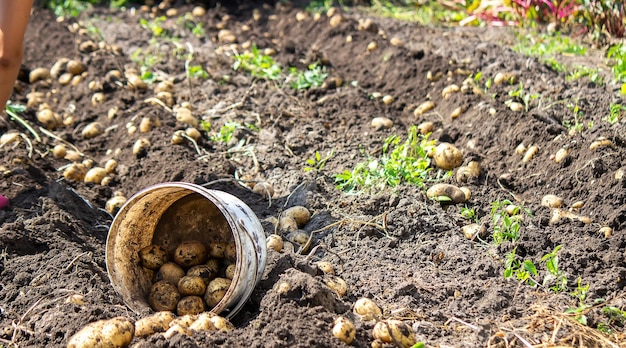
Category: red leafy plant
[546,11]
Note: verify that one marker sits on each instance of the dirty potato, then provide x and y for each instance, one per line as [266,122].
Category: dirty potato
[157,322]
[190,253]
[344,330]
[216,290]
[447,156]
[396,332]
[170,272]
[190,305]
[153,256]
[116,332]
[191,285]
[367,309]
[299,213]
[205,272]
[164,296]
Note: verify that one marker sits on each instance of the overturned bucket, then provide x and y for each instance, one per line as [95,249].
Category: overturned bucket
[170,213]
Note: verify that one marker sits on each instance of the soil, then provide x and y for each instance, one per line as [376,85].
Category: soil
[392,245]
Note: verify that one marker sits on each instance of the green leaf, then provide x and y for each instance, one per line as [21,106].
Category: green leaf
[529,266]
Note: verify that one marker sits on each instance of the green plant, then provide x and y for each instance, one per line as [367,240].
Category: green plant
[506,224]
[399,162]
[554,276]
[524,271]
[155,26]
[577,124]
[605,16]
[226,132]
[617,57]
[579,72]
[197,71]
[469,213]
[69,8]
[580,293]
[258,64]
[616,113]
[314,76]
[317,162]
[13,110]
[522,96]
[616,318]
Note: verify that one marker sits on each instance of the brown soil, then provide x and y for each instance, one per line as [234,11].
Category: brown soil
[395,246]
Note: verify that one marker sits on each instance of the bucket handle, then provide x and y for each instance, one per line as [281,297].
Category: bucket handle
[248,292]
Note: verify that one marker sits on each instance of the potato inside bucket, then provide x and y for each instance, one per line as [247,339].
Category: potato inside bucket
[170,214]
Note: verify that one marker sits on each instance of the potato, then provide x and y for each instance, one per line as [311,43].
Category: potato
[394,41]
[92,130]
[177,329]
[116,332]
[76,171]
[274,242]
[203,323]
[193,133]
[287,224]
[38,74]
[141,146]
[229,272]
[97,99]
[561,155]
[190,305]
[300,214]
[190,253]
[191,285]
[216,250]
[447,156]
[551,201]
[230,253]
[178,137]
[184,115]
[336,284]
[452,194]
[426,127]
[216,290]
[157,322]
[145,125]
[48,119]
[214,265]
[184,320]
[367,309]
[381,123]
[170,272]
[164,296]
[530,153]
[10,138]
[153,256]
[424,108]
[114,204]
[472,231]
[95,175]
[205,272]
[396,332]
[221,323]
[449,90]
[110,166]
[58,67]
[135,82]
[300,237]
[264,189]
[75,67]
[465,173]
[517,107]
[387,100]
[326,267]
[344,330]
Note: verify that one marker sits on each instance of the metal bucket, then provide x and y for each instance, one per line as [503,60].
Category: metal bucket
[169,213]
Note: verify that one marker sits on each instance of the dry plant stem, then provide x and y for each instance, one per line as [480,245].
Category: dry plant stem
[292,192]
[473,327]
[195,144]
[69,266]
[159,102]
[54,136]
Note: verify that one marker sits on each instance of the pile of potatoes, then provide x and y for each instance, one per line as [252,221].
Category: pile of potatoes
[192,279]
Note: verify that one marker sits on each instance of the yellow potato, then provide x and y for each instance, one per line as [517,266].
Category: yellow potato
[38,74]
[367,309]
[336,284]
[170,272]
[92,130]
[191,285]
[203,323]
[230,271]
[396,332]
[447,156]
[264,189]
[116,332]
[217,249]
[214,265]
[326,267]
[274,242]
[453,193]
[300,214]
[190,253]
[230,253]
[157,322]
[216,290]
[95,175]
[287,224]
[344,330]
[164,296]
[153,256]
[205,272]
[190,305]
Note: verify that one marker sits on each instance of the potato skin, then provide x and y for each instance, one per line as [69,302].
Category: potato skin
[216,290]
[170,272]
[447,156]
[164,296]
[110,333]
[191,285]
[190,253]
[190,305]
[206,272]
[158,322]
[153,256]
[455,194]
[299,213]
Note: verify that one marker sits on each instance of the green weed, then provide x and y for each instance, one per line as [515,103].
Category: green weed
[69,8]
[14,111]
[469,214]
[617,57]
[227,131]
[577,124]
[317,162]
[506,227]
[155,26]
[400,162]
[616,112]
[314,76]
[580,293]
[258,64]
[197,71]
[519,94]
[523,271]
[555,276]
[616,319]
